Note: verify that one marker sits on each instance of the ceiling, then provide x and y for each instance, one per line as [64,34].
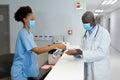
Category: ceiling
[92,5]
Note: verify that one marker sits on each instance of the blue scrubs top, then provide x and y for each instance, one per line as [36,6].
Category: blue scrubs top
[25,60]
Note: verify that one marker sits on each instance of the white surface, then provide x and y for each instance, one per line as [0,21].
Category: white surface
[67,68]
[115,64]
[115,29]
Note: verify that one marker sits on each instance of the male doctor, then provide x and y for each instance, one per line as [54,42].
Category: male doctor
[94,49]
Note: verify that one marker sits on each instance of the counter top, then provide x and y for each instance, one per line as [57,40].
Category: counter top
[67,68]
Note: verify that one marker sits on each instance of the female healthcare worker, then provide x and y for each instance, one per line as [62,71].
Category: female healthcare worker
[94,49]
[25,63]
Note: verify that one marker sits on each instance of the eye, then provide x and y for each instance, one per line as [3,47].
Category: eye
[86,22]
[32,19]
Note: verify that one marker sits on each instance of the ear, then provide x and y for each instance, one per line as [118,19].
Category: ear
[93,20]
[24,20]
[92,23]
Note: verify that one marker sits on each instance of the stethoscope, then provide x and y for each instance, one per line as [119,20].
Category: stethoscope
[85,36]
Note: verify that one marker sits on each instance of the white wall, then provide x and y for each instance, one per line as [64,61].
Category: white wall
[53,17]
[115,29]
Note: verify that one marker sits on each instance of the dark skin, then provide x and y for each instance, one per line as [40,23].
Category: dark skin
[39,50]
[79,51]
[92,21]
[74,52]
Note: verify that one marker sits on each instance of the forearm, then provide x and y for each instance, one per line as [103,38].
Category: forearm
[38,50]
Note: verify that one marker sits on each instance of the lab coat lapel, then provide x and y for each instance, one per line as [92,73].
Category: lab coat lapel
[90,38]
[93,33]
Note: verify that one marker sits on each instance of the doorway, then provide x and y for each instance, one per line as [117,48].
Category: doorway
[109,21]
[4,30]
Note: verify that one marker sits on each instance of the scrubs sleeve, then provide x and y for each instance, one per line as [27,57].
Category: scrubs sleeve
[28,42]
[102,50]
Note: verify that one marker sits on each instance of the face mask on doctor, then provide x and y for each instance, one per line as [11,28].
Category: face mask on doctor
[32,23]
[87,26]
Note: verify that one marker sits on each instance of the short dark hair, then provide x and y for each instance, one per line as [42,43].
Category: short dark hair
[22,12]
[88,17]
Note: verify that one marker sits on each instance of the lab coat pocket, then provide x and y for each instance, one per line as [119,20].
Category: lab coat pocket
[95,45]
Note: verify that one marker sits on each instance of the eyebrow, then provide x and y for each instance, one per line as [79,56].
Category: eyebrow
[86,22]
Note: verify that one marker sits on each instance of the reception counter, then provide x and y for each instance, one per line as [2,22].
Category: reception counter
[67,68]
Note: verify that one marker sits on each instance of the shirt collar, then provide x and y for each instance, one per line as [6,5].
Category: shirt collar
[90,31]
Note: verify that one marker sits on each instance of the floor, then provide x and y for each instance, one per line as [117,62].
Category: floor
[115,64]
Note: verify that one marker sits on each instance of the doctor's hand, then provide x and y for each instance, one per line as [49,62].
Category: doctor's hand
[71,52]
[61,46]
[74,52]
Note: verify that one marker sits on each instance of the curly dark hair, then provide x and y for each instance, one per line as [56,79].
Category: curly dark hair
[22,12]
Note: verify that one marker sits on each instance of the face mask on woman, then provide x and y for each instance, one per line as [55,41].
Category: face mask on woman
[32,23]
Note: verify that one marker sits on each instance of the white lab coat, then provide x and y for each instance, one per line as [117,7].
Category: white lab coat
[96,55]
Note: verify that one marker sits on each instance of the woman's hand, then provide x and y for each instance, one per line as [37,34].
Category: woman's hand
[61,46]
